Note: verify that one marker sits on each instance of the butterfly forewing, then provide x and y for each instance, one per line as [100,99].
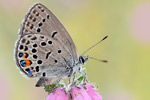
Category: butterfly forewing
[40,19]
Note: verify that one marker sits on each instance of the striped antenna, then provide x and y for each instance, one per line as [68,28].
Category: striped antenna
[94,45]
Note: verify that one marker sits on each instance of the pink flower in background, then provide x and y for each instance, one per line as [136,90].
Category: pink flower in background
[58,94]
[82,92]
[5,87]
[79,94]
[140,23]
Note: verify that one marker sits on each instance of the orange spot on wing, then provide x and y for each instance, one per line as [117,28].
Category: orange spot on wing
[33,71]
[24,55]
[27,63]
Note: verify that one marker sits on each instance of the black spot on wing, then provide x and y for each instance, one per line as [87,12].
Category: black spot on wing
[47,55]
[53,34]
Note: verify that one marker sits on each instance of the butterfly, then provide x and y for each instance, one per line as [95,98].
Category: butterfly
[44,49]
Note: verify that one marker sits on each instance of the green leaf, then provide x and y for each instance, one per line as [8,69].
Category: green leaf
[53,87]
[80,79]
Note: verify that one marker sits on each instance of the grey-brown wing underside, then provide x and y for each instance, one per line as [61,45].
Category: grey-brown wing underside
[40,19]
[37,55]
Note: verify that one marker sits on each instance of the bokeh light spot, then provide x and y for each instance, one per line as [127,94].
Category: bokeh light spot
[4,88]
[140,23]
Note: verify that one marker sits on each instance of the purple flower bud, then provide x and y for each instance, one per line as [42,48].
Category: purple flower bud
[58,94]
[92,93]
[79,93]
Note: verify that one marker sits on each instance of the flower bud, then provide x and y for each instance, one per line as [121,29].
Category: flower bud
[92,93]
[79,93]
[58,94]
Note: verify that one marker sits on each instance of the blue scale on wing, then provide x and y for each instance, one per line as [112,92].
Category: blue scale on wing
[30,73]
[21,54]
[23,63]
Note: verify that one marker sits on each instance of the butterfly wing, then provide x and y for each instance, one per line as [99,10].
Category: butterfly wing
[38,55]
[40,19]
[44,47]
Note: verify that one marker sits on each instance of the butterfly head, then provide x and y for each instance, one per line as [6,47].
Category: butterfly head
[83,60]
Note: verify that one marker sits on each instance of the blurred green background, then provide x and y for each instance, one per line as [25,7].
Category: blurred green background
[126,22]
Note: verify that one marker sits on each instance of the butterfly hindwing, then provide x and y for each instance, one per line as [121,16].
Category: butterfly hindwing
[37,55]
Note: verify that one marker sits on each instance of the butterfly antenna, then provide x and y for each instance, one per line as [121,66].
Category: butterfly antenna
[105,61]
[94,45]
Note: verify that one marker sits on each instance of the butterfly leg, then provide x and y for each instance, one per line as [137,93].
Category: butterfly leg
[73,80]
[83,73]
[69,80]
[74,76]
